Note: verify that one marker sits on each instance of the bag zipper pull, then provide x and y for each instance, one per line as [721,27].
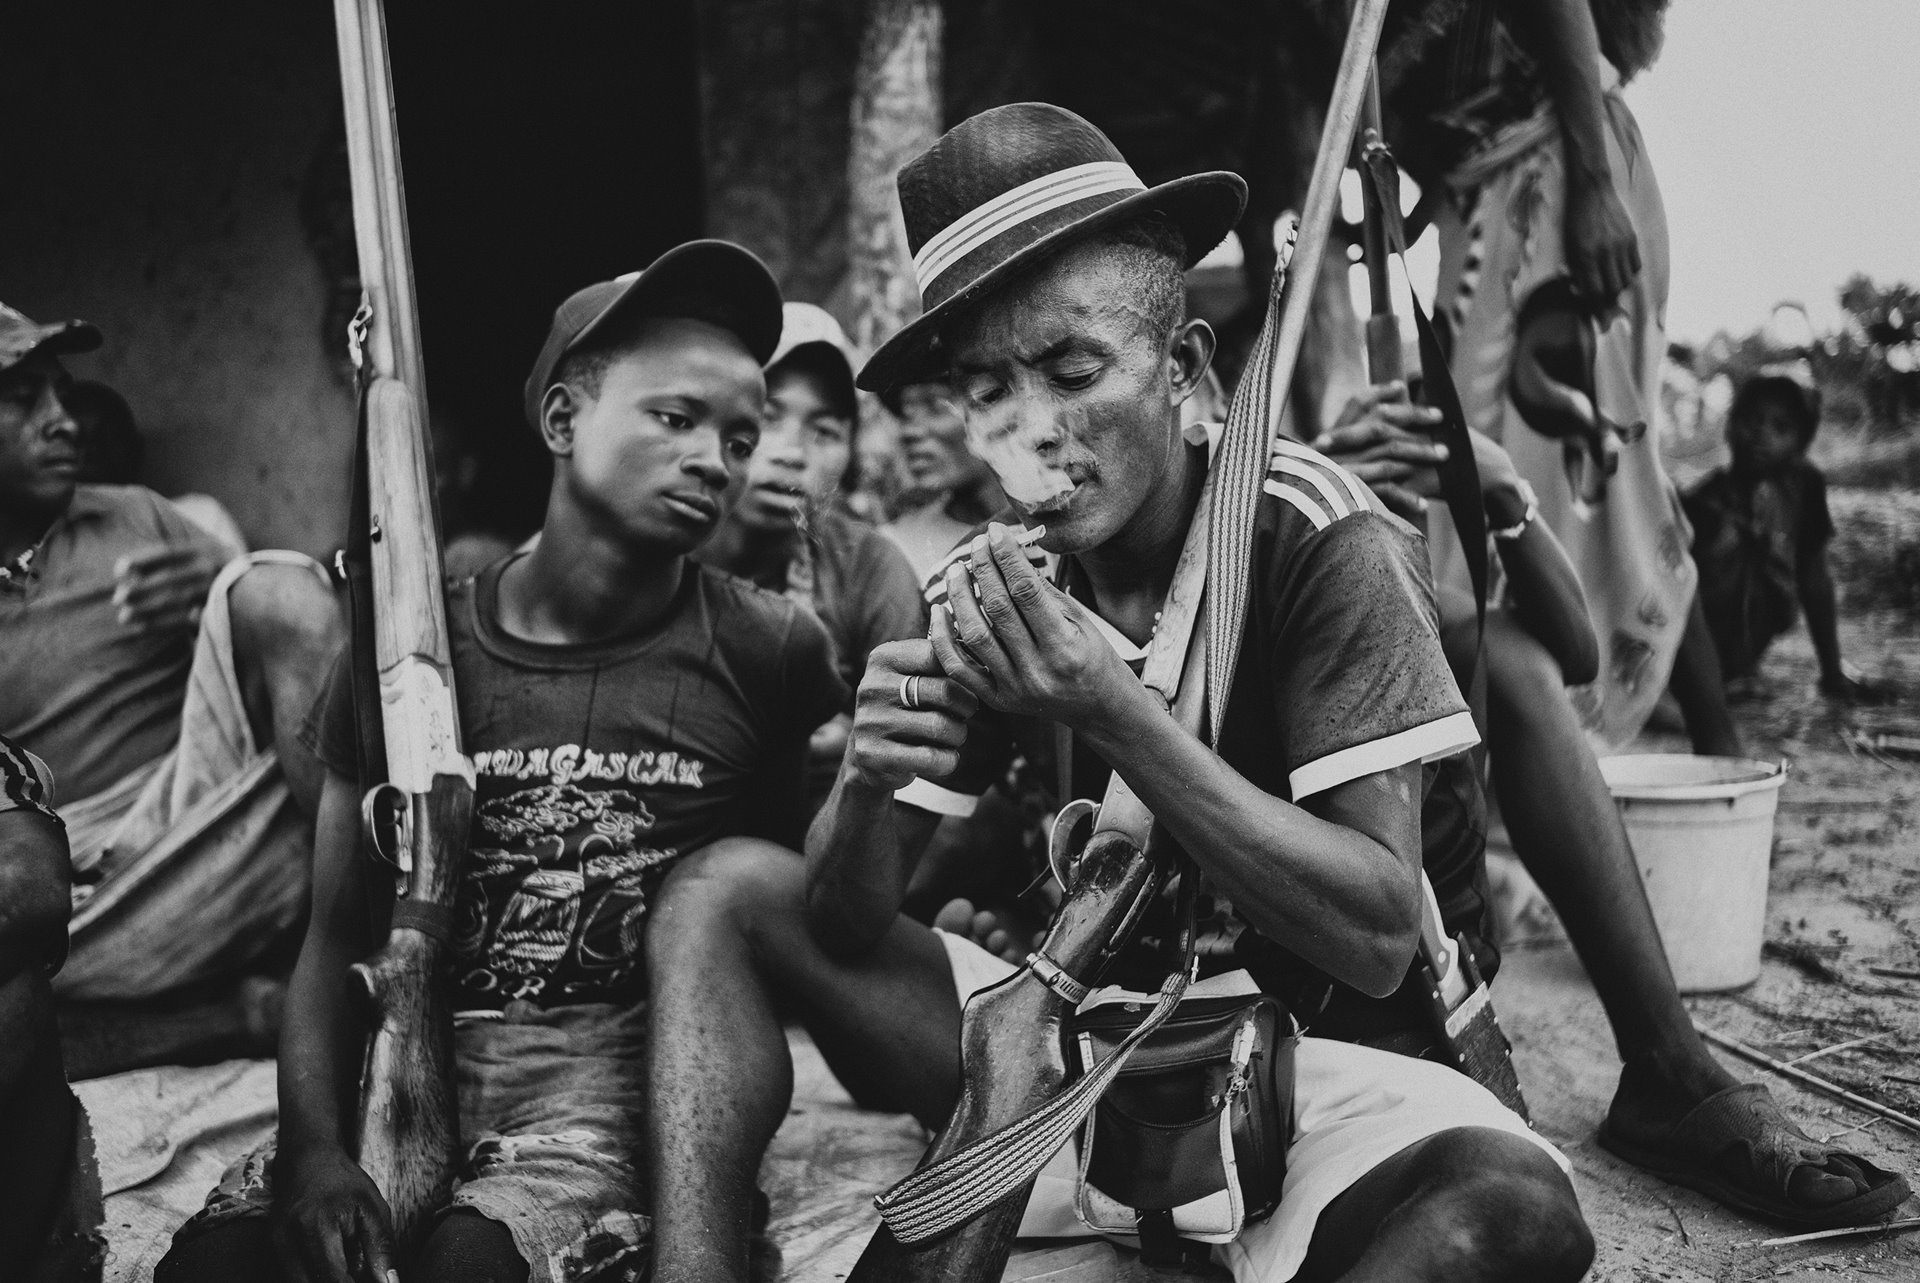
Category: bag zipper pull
[1242,1057]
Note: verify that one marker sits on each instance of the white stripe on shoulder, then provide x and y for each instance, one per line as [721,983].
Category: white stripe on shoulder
[1427,742]
[1328,489]
[1309,507]
[928,796]
[1355,487]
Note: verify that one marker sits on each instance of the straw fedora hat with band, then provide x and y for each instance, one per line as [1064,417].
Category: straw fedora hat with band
[1001,191]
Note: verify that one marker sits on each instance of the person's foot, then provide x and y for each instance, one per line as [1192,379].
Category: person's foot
[988,929]
[1719,744]
[1693,1123]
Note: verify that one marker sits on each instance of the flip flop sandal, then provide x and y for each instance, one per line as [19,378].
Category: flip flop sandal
[1737,1148]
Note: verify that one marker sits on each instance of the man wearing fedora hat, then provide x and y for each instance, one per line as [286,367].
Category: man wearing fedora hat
[1054,304]
[622,707]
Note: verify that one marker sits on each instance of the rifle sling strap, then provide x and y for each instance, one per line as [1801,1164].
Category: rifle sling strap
[355,564]
[1459,474]
[435,921]
[940,1198]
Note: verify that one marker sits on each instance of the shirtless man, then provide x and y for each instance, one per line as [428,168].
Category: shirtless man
[1063,328]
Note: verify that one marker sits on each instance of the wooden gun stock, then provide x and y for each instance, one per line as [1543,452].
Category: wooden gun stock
[1015,1029]
[409,1140]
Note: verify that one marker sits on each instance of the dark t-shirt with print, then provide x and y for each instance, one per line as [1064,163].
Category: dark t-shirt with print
[1341,675]
[598,766]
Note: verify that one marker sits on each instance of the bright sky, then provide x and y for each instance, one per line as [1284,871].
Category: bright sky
[1786,137]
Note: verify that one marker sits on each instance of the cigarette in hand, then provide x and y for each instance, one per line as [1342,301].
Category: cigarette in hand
[1027,537]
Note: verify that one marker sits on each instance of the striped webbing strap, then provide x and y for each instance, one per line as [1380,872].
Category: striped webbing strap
[1246,444]
[945,1196]
[1245,456]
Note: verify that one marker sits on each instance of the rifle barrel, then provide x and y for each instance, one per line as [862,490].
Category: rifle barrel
[1323,194]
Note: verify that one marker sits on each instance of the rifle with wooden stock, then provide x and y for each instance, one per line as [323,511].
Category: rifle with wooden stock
[1461,1005]
[956,1216]
[418,818]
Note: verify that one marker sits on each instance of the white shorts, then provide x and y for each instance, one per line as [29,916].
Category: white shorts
[1354,1108]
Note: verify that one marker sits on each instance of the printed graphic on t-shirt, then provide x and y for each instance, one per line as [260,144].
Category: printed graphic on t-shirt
[560,871]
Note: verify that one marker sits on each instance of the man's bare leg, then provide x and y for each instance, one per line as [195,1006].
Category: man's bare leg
[286,632]
[726,940]
[1568,833]
[37,1117]
[1470,1203]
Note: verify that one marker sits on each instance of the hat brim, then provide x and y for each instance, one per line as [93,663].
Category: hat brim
[1205,207]
[57,338]
[713,281]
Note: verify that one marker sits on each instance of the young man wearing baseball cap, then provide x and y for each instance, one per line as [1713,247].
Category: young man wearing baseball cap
[164,681]
[788,530]
[1054,303]
[623,707]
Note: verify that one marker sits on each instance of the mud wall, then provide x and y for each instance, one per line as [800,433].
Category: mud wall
[155,159]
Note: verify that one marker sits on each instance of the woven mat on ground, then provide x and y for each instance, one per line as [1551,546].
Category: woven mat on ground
[164,1136]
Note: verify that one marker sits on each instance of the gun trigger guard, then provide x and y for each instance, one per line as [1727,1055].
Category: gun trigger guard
[1059,840]
[372,826]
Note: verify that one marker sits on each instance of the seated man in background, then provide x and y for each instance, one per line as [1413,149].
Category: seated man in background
[786,530]
[164,685]
[49,1187]
[113,453]
[1065,331]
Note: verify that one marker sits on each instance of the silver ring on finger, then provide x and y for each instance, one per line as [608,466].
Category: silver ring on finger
[910,693]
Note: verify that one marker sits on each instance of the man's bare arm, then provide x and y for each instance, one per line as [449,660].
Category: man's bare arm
[323,1035]
[1340,885]
[1603,252]
[863,846]
[1336,879]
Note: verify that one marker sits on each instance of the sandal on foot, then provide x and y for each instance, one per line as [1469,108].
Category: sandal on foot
[1738,1149]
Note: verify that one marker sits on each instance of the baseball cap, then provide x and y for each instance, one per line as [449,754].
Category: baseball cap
[809,325]
[713,281]
[21,337]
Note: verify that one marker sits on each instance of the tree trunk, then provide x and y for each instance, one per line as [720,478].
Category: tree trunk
[895,116]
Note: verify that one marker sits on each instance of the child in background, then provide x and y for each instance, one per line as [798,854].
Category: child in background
[1760,534]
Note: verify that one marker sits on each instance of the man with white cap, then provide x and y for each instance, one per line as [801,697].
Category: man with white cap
[1054,303]
[787,529]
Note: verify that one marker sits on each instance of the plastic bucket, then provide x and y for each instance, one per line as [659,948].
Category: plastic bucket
[1702,831]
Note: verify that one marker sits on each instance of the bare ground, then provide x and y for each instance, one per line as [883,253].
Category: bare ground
[1844,896]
